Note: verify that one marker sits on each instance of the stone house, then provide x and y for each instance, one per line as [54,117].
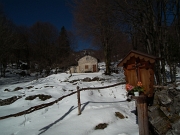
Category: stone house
[85,64]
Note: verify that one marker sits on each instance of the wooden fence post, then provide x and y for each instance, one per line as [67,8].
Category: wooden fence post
[79,101]
[142,114]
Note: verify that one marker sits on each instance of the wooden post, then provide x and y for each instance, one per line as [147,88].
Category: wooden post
[79,101]
[142,115]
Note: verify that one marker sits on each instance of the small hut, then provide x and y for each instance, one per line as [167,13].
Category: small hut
[139,67]
[87,64]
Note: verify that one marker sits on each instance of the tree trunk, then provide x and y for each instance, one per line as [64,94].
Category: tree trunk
[174,73]
[158,74]
[1,70]
[107,57]
[4,70]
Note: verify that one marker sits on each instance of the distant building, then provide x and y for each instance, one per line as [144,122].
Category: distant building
[85,64]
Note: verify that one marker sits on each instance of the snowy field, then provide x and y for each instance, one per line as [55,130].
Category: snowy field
[97,106]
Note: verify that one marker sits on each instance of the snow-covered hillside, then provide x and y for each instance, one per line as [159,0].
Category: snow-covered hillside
[98,106]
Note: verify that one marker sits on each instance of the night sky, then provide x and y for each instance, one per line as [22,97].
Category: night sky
[28,12]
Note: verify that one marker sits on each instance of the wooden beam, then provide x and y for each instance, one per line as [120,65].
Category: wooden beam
[142,114]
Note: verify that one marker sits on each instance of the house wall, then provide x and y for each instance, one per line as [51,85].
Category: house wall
[73,69]
[87,64]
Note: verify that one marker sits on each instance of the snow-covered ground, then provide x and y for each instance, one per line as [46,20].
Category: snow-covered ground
[98,106]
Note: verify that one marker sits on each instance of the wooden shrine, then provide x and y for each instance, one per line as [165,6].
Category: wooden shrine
[139,67]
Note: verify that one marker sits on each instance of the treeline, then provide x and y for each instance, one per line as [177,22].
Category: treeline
[152,26]
[40,46]
[114,26]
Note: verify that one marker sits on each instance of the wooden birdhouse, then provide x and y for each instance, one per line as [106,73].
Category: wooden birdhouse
[139,67]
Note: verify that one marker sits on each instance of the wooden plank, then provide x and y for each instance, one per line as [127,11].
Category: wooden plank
[131,77]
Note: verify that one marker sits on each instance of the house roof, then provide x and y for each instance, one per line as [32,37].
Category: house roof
[87,56]
[139,55]
[84,53]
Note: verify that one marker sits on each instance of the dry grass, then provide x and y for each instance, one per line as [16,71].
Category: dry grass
[101,126]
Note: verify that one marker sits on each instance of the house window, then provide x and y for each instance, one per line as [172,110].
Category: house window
[86,66]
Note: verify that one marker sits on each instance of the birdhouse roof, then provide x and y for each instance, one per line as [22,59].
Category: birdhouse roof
[137,54]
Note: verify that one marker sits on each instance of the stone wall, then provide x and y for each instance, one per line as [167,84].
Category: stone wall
[164,114]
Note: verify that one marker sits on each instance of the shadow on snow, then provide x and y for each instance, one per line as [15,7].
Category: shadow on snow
[44,129]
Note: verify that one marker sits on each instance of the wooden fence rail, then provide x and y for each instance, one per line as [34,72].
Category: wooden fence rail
[38,107]
[140,103]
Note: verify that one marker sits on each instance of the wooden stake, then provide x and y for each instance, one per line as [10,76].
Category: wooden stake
[142,115]
[79,101]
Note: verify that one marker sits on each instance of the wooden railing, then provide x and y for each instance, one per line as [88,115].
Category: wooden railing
[38,107]
[141,105]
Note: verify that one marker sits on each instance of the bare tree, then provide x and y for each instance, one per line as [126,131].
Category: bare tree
[96,20]
[20,48]
[6,35]
[43,39]
[149,25]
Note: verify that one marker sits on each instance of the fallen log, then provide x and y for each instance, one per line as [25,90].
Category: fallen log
[161,87]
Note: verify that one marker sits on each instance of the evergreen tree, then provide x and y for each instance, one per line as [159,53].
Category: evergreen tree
[63,49]
[64,43]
